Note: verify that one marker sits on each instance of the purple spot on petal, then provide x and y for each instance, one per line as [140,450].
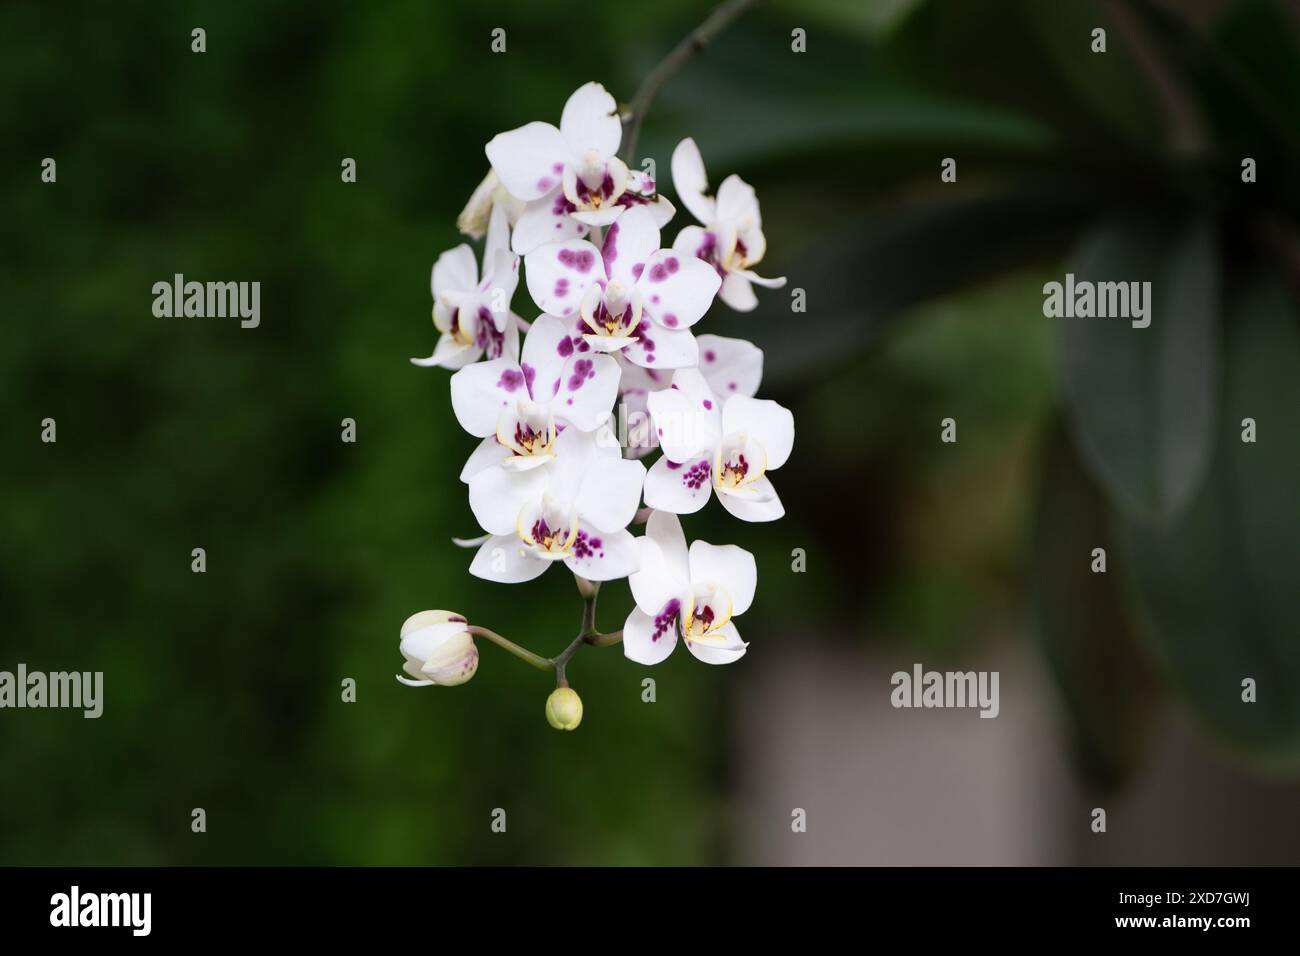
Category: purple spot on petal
[579,259]
[710,356]
[583,369]
[665,618]
[670,320]
[708,404]
[584,546]
[695,476]
[510,380]
[637,269]
[609,251]
[565,346]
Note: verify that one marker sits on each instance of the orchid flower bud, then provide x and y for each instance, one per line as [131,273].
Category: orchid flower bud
[438,649]
[564,708]
[473,219]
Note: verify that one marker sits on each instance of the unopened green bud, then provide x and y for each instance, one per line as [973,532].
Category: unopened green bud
[564,708]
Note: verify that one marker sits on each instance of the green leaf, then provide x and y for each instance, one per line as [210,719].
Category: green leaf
[1095,656]
[1110,84]
[1254,54]
[862,277]
[1219,588]
[1142,401]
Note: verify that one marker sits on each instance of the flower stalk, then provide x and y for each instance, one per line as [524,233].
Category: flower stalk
[695,41]
[525,655]
[587,634]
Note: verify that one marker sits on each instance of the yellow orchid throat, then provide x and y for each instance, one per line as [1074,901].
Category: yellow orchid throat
[702,626]
[739,461]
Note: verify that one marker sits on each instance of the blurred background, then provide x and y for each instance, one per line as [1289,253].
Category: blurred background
[1119,690]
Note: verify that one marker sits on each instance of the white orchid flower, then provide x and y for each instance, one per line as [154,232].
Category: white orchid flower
[728,449]
[695,593]
[473,316]
[575,510]
[570,178]
[731,239]
[729,366]
[438,650]
[521,409]
[629,297]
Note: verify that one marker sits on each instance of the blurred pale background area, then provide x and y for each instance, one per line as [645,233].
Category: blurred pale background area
[924,298]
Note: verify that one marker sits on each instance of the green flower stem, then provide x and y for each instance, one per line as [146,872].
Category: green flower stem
[589,590]
[587,634]
[605,640]
[541,663]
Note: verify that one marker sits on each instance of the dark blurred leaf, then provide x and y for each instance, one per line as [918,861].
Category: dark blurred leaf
[1104,674]
[1110,83]
[1219,588]
[856,281]
[1255,50]
[737,129]
[1142,401]
[846,96]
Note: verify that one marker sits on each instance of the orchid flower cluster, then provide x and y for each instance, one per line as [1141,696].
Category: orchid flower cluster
[558,473]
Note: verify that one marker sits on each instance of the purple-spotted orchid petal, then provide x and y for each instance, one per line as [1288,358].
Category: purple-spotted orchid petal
[575,511]
[472,315]
[729,366]
[693,593]
[727,452]
[731,240]
[633,298]
[570,178]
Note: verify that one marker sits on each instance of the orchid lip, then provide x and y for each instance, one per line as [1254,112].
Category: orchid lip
[612,314]
[739,461]
[595,183]
[543,530]
[608,343]
[700,616]
[528,431]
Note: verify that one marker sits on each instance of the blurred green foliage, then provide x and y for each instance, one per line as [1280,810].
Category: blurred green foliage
[924,302]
